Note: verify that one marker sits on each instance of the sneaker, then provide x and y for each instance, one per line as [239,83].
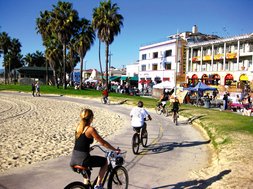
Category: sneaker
[98,187]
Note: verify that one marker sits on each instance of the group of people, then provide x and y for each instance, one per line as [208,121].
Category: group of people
[85,135]
[36,88]
[165,97]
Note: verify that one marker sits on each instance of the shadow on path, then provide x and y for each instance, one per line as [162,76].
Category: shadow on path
[197,184]
[168,146]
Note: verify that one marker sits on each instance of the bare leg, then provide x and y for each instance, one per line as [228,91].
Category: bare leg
[102,173]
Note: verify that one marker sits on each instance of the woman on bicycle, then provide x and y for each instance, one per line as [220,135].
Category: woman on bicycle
[138,116]
[84,137]
[175,105]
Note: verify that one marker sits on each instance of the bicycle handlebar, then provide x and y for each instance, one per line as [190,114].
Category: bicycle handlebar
[106,151]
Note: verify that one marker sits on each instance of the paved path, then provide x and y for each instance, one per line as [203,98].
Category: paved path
[172,153]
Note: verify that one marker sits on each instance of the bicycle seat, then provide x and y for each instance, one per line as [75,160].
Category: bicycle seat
[79,168]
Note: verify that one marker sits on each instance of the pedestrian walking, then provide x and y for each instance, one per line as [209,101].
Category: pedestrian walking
[33,88]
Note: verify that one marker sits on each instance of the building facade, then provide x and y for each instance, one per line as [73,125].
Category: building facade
[159,62]
[225,62]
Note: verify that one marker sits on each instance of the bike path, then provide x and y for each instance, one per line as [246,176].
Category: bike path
[172,153]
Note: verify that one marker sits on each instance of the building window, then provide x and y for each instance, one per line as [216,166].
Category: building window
[155,55]
[143,68]
[168,53]
[167,65]
[154,67]
[144,57]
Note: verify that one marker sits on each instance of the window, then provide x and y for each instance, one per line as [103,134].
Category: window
[168,53]
[144,57]
[155,55]
[167,65]
[143,68]
[154,67]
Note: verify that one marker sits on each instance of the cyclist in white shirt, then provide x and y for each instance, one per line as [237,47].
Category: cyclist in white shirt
[138,117]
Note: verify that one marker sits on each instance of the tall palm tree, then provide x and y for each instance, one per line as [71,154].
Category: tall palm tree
[5,43]
[64,19]
[83,41]
[108,22]
[42,27]
[15,58]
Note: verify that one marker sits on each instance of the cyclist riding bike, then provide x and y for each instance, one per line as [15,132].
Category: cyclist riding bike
[84,137]
[105,95]
[138,116]
[164,98]
[175,105]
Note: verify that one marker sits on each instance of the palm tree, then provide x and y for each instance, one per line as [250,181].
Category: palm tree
[64,19]
[107,21]
[42,27]
[5,43]
[83,41]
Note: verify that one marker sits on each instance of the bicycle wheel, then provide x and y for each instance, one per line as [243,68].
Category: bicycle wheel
[76,185]
[135,143]
[118,178]
[102,100]
[158,110]
[144,137]
[165,112]
[108,101]
[175,118]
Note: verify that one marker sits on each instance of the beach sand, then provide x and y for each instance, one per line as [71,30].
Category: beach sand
[34,129]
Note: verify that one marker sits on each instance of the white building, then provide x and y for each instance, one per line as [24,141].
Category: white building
[221,62]
[159,62]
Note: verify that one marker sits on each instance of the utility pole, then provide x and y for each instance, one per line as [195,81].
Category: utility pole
[176,61]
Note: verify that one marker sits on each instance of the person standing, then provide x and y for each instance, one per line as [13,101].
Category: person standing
[33,88]
[37,85]
[225,101]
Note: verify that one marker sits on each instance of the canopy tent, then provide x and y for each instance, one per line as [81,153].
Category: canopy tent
[113,78]
[90,81]
[164,84]
[200,87]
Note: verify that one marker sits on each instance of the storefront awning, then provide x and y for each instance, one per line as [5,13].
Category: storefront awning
[113,78]
[135,78]
[244,77]
[123,78]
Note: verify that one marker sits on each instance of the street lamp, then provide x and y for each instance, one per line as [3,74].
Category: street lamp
[176,61]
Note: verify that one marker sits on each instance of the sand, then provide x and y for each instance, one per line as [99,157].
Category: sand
[34,129]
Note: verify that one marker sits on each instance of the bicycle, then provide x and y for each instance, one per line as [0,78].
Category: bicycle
[175,116]
[140,136]
[162,109]
[116,175]
[105,100]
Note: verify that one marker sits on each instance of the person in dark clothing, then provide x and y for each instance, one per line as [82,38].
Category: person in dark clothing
[175,105]
[225,101]
[84,137]
[33,88]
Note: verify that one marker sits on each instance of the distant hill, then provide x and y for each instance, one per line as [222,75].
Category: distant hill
[1,71]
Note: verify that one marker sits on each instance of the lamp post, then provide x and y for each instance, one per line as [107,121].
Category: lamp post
[176,61]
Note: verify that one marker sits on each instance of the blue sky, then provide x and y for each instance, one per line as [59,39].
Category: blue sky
[145,21]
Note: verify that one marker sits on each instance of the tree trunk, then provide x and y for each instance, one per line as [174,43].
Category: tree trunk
[106,64]
[46,72]
[81,72]
[64,65]
[99,57]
